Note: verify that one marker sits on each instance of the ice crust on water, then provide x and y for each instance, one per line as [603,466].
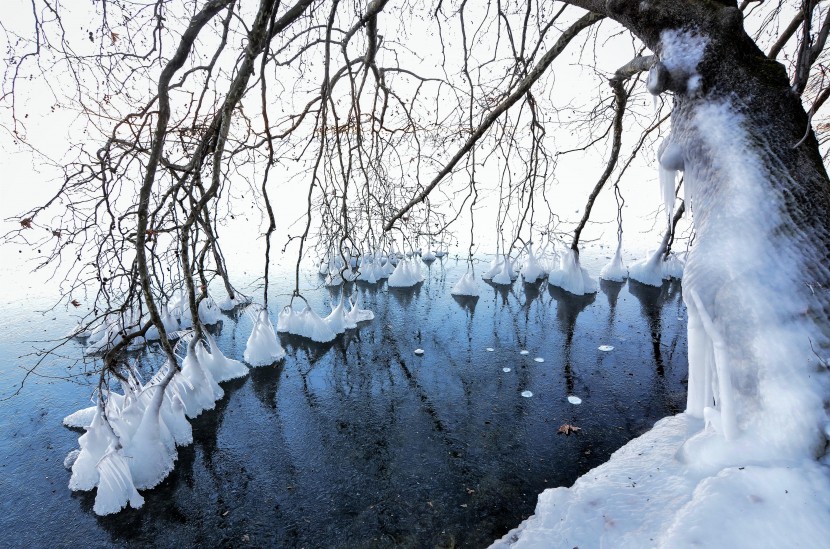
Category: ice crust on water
[505,370]
[745,465]
[419,352]
[574,399]
[538,359]
[467,285]
[527,394]
[263,347]
[606,348]
[524,352]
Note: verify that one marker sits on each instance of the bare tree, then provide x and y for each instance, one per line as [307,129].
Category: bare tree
[191,108]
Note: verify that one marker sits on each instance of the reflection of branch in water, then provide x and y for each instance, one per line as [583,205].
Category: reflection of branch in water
[651,301]
[568,308]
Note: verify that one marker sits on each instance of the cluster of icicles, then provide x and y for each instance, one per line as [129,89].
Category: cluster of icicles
[562,269]
[131,439]
[399,270]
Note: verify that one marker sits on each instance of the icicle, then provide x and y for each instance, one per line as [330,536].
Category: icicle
[116,488]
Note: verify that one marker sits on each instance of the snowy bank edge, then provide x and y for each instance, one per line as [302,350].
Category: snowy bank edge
[645,496]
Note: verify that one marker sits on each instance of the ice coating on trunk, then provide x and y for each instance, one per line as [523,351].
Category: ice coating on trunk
[263,347]
[746,463]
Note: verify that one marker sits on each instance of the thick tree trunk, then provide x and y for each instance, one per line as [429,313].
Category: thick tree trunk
[757,279]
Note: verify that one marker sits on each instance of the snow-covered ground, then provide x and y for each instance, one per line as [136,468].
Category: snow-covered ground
[649,495]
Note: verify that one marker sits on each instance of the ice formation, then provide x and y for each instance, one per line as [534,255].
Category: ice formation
[305,323]
[606,348]
[150,450]
[746,464]
[571,277]
[505,275]
[263,347]
[505,370]
[527,394]
[209,312]
[94,444]
[116,489]
[532,270]
[407,274]
[538,359]
[419,352]
[131,438]
[574,399]
[467,285]
[615,271]
[229,304]
[220,367]
[81,419]
[428,256]
[356,314]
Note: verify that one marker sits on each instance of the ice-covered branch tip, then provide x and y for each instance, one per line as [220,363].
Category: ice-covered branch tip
[521,89]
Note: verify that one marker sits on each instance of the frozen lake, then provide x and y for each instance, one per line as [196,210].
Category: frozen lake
[362,443]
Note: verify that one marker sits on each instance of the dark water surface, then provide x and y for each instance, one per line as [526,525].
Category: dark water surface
[361,443]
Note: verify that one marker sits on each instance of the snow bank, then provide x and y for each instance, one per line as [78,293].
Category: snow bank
[644,496]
